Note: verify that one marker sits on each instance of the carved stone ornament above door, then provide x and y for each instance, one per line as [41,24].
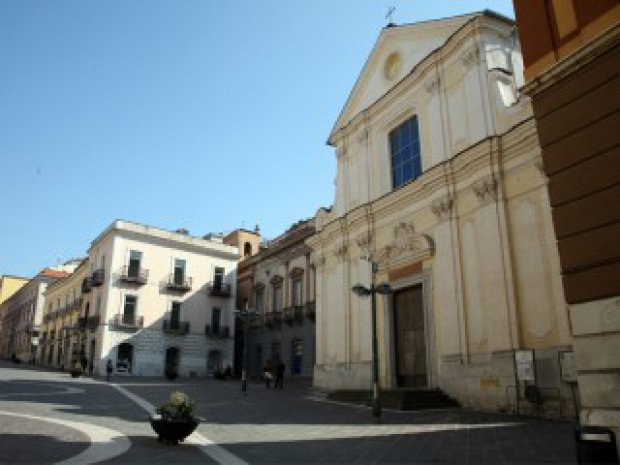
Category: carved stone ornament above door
[408,246]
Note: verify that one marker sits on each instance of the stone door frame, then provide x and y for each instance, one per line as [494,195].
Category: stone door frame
[423,278]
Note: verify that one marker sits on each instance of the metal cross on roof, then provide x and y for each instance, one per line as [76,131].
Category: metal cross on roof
[389,14]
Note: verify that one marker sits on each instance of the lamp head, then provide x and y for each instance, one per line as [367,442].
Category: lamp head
[360,290]
[384,288]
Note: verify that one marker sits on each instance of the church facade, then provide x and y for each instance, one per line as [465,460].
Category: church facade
[440,184]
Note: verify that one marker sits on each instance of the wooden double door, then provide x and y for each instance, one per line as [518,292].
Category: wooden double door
[410,338]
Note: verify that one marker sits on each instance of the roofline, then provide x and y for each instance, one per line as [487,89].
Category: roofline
[13,276]
[196,242]
[474,15]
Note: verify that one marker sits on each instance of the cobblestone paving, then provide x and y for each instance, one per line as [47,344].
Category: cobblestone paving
[292,425]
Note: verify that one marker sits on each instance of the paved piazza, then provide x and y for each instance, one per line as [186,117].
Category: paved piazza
[48,417]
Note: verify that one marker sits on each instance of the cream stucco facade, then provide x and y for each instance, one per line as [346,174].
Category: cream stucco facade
[471,235]
[160,295]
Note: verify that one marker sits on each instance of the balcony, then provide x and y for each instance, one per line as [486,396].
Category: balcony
[277,317]
[80,324]
[133,275]
[220,289]
[179,283]
[311,309]
[176,327]
[268,317]
[288,315]
[98,278]
[218,332]
[122,322]
[92,322]
[86,285]
[75,305]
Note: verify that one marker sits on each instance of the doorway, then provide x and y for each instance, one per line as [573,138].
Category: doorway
[214,361]
[124,358]
[410,338]
[172,361]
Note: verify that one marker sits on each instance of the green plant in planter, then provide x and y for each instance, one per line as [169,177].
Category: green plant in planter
[175,419]
[178,408]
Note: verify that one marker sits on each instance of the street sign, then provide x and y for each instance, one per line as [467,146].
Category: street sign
[568,372]
[524,360]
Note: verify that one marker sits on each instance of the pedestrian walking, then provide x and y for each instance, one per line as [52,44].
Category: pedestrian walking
[279,375]
[108,370]
[268,373]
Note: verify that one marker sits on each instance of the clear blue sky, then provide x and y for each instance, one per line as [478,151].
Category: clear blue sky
[208,115]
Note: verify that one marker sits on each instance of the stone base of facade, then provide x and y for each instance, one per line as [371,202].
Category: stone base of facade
[149,352]
[487,381]
[343,376]
[484,381]
[602,417]
[596,327]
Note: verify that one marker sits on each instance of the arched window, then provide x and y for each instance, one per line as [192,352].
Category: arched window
[247,249]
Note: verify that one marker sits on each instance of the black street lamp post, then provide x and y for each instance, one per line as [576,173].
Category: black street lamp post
[245,315]
[363,291]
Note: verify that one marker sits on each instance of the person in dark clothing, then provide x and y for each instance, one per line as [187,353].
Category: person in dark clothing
[279,375]
[108,369]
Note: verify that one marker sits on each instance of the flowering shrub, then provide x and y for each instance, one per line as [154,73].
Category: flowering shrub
[178,408]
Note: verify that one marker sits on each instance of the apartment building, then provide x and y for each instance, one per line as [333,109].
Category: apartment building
[63,338]
[164,301]
[22,316]
[277,285]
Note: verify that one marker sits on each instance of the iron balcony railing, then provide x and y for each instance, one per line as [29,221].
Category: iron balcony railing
[288,315]
[86,285]
[91,323]
[220,289]
[133,275]
[311,309]
[176,327]
[129,322]
[179,283]
[98,277]
[220,332]
[298,312]
[75,305]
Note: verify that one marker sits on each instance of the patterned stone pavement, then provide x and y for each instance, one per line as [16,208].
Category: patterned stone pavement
[292,425]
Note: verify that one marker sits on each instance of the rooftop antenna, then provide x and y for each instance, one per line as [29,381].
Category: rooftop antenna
[389,14]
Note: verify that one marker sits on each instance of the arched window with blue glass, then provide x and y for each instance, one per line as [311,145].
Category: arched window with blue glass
[405,152]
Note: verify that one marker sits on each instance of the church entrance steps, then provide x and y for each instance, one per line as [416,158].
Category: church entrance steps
[400,399]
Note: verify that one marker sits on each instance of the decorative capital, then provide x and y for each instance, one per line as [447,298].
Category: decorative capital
[341,152]
[362,136]
[442,207]
[485,190]
[431,85]
[364,240]
[470,57]
[317,259]
[340,250]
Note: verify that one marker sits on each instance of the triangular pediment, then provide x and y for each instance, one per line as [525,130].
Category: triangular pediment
[397,51]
